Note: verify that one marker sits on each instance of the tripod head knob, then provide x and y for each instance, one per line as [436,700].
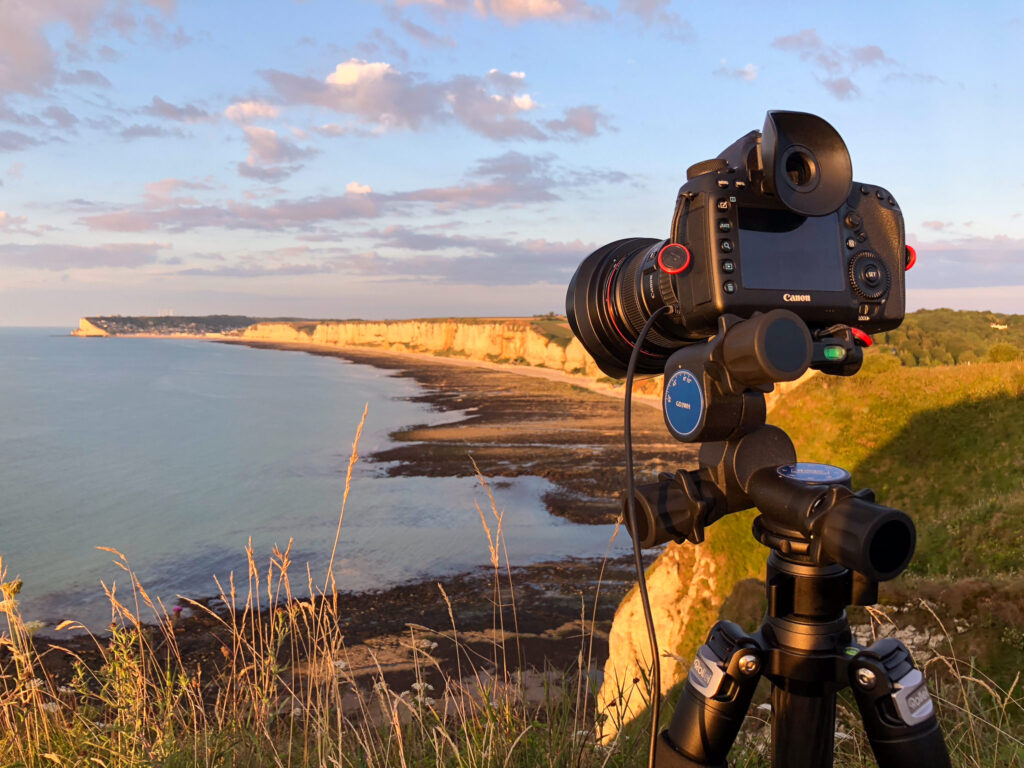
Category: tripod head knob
[824,521]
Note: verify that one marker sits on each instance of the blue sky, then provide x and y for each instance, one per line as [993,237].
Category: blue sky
[410,158]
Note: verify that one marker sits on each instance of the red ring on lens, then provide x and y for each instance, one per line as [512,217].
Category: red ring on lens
[611,312]
[677,270]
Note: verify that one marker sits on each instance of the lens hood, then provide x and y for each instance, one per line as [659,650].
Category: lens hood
[590,306]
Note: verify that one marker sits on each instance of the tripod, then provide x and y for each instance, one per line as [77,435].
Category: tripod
[830,547]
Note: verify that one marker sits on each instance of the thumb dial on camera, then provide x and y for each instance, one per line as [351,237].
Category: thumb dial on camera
[869,276]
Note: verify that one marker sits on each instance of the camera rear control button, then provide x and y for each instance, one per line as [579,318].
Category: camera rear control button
[869,276]
[723,204]
[853,220]
[726,246]
[741,184]
[723,183]
[880,194]
[851,242]
[864,190]
[861,237]
[724,225]
[729,286]
[728,266]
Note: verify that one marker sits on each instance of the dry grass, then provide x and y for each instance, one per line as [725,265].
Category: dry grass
[284,694]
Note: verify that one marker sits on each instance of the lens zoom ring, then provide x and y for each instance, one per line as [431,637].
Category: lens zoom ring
[632,304]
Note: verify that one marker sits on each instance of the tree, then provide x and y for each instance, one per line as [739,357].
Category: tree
[1003,353]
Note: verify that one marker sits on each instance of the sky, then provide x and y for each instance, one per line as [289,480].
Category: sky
[425,158]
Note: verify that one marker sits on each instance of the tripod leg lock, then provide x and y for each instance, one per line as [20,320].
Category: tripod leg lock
[898,712]
[714,700]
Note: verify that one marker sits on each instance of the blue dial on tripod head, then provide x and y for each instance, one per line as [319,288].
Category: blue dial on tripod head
[685,404]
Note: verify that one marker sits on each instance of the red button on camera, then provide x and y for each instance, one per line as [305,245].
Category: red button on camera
[861,338]
[911,257]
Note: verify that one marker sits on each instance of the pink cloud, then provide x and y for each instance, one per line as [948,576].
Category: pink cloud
[383,98]
[59,257]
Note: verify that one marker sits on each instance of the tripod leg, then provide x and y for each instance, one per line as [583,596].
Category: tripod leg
[803,725]
[714,701]
[897,710]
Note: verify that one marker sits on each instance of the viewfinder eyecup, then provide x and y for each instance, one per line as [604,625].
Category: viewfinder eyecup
[806,163]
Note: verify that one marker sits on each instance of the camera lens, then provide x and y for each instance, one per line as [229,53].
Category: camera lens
[611,296]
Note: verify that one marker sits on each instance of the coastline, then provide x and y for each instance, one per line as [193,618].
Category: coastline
[513,420]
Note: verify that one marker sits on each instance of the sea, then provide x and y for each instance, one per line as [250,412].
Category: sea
[179,454]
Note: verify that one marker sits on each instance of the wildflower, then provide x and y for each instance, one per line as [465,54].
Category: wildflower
[340,665]
[50,706]
[421,687]
[34,684]
[31,627]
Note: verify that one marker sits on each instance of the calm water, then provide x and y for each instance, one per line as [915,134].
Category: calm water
[176,452]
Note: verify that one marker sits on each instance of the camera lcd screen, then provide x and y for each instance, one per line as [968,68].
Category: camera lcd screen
[783,250]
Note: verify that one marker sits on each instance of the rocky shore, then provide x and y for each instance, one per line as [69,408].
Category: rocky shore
[514,420]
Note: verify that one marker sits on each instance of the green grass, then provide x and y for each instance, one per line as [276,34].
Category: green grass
[554,328]
[945,444]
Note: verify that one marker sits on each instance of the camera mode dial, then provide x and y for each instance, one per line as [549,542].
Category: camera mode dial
[869,276]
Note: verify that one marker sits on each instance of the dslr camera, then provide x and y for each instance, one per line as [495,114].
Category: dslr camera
[774,222]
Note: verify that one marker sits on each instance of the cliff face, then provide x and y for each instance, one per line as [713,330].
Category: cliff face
[513,341]
[86,328]
[690,587]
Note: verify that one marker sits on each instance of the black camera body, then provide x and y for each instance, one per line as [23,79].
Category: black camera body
[750,252]
[775,221]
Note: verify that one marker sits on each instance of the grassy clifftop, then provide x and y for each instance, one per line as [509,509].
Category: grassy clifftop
[946,444]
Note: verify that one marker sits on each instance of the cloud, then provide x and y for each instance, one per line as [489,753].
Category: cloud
[259,270]
[436,258]
[14,141]
[656,13]
[189,113]
[133,132]
[271,158]
[247,111]
[967,262]
[383,98]
[511,179]
[746,73]
[85,77]
[836,64]
[516,10]
[424,36]
[355,188]
[28,62]
[59,257]
[18,225]
[579,121]
[841,87]
[936,225]
[10,223]
[60,117]
[163,192]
